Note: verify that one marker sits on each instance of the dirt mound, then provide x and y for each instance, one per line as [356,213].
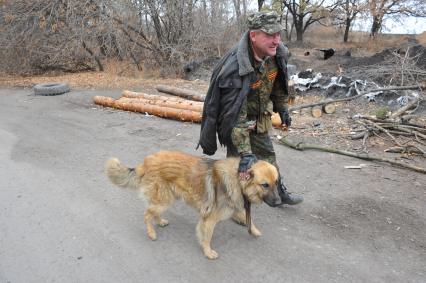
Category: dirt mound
[372,60]
[417,51]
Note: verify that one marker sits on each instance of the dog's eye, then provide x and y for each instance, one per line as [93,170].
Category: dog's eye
[265,185]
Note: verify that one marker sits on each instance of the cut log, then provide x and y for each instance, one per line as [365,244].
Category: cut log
[132,94]
[329,108]
[188,94]
[104,101]
[186,104]
[276,120]
[160,111]
[316,111]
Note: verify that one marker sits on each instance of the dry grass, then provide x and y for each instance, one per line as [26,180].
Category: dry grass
[422,38]
[114,77]
[326,37]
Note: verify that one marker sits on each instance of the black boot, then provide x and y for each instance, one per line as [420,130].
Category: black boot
[286,197]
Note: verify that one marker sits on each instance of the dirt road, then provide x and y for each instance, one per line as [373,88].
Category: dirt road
[62,221]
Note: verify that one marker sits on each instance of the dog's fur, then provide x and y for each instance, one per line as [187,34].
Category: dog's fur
[212,187]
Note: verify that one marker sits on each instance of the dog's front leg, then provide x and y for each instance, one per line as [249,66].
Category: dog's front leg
[239,216]
[205,229]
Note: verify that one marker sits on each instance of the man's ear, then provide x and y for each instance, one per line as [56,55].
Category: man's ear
[252,35]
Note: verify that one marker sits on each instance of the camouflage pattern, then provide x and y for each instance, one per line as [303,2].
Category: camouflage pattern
[259,103]
[264,21]
[255,115]
[261,146]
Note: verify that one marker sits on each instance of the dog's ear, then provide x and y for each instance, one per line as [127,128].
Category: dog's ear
[251,174]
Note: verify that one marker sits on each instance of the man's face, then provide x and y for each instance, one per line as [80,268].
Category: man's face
[264,44]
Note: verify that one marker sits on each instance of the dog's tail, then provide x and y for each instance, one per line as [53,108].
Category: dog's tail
[123,176]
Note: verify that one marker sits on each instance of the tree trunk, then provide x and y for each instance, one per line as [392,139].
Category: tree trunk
[377,25]
[299,31]
[260,4]
[347,28]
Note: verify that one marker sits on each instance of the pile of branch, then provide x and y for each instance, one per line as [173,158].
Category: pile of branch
[407,137]
[395,69]
[302,146]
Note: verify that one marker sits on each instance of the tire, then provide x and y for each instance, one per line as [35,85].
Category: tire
[51,89]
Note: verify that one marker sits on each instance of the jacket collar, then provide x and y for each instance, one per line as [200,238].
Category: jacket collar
[244,65]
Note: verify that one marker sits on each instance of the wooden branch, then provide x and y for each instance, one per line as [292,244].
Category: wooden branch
[385,131]
[405,149]
[402,110]
[302,146]
[392,122]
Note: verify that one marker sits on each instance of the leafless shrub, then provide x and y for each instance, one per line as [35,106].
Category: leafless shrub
[42,35]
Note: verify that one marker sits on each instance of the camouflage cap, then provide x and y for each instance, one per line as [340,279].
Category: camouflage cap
[264,21]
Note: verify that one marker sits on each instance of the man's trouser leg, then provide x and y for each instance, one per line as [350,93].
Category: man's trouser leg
[262,147]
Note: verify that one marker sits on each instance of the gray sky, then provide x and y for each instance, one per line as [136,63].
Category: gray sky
[409,25]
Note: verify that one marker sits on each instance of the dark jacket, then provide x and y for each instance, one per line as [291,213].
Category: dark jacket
[229,87]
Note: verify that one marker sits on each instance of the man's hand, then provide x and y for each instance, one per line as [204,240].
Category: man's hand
[247,160]
[285,118]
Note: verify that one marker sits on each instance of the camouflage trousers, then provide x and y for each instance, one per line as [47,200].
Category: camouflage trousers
[261,146]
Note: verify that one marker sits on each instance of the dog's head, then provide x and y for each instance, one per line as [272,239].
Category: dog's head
[262,185]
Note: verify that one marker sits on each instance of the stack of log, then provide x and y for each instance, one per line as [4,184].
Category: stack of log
[158,105]
[187,107]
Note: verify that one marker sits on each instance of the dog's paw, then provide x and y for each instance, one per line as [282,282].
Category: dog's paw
[163,223]
[211,254]
[255,232]
[152,235]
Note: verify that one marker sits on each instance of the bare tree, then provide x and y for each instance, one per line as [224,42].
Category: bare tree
[44,35]
[379,9]
[308,12]
[347,12]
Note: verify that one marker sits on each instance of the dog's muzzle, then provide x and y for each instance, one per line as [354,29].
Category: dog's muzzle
[272,200]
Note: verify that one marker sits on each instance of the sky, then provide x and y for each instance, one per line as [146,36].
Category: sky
[408,25]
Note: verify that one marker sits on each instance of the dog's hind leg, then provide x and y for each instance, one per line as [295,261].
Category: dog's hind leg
[205,230]
[157,216]
[239,217]
[154,212]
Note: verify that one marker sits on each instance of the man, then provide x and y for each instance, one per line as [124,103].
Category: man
[248,84]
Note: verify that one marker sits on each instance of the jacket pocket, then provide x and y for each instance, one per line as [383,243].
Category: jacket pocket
[230,83]
[264,123]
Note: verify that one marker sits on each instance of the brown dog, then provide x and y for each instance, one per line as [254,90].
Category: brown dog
[212,187]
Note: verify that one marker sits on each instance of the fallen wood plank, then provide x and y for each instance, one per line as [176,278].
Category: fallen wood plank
[160,111]
[188,94]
